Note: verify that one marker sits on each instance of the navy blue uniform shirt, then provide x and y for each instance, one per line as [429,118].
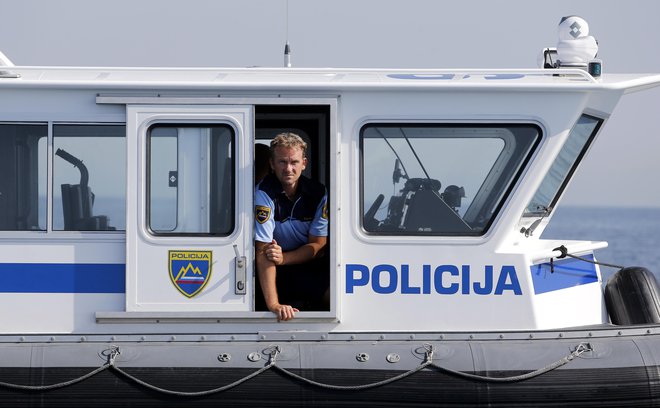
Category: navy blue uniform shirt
[290,222]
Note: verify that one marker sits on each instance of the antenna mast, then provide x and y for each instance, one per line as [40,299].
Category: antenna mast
[287,47]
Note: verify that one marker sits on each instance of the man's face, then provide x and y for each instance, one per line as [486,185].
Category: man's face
[288,164]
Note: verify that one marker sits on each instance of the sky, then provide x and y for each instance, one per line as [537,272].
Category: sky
[621,170]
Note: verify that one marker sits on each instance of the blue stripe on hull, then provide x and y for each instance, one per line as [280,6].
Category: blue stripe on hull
[567,273]
[62,278]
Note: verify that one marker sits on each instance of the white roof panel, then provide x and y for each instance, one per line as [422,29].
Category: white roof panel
[330,79]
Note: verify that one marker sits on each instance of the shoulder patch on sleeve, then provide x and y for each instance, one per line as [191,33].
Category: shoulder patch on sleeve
[324,212]
[261,213]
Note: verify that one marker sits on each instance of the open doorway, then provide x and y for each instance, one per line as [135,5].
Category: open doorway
[312,124]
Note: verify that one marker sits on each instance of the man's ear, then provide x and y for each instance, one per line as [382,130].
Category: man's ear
[304,166]
[272,165]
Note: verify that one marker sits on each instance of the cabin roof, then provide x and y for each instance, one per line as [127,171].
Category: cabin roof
[318,78]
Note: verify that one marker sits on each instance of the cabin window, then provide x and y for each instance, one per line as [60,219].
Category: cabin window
[23,176]
[89,177]
[428,179]
[562,168]
[191,179]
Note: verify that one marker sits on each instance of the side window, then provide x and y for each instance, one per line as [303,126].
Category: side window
[439,179]
[191,179]
[562,168]
[23,176]
[89,177]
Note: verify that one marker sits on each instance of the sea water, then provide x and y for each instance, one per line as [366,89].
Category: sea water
[633,234]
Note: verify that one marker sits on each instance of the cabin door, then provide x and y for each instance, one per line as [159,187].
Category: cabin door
[189,227]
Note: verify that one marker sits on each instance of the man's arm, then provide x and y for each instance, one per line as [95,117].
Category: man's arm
[267,273]
[311,250]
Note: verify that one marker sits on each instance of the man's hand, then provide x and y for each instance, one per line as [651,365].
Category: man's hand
[273,253]
[283,312]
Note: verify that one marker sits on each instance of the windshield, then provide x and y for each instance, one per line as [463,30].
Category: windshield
[563,167]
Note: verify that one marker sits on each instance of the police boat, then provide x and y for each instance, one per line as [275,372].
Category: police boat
[127,251]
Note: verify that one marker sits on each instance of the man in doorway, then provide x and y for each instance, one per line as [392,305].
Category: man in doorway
[291,229]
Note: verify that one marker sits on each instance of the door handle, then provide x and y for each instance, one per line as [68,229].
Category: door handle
[240,273]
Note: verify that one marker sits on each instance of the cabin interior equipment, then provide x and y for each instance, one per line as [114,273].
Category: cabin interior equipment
[78,201]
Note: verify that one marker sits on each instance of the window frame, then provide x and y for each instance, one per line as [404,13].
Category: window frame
[147,189]
[571,171]
[498,200]
[48,160]
[51,175]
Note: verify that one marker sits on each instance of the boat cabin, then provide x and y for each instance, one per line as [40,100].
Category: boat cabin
[127,196]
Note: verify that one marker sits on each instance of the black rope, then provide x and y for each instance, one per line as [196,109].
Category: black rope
[564,254]
[275,351]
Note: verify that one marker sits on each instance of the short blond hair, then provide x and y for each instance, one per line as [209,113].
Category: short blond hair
[288,139]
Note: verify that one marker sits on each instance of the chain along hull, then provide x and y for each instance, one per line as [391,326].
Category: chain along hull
[603,368]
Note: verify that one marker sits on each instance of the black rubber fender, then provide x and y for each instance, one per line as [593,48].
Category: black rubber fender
[632,297]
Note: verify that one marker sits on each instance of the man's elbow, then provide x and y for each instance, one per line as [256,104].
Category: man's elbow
[319,249]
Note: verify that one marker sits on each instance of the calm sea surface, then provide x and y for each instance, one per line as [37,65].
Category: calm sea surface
[633,234]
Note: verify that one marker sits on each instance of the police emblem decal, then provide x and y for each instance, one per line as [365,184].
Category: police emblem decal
[190,271]
[261,213]
[324,211]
